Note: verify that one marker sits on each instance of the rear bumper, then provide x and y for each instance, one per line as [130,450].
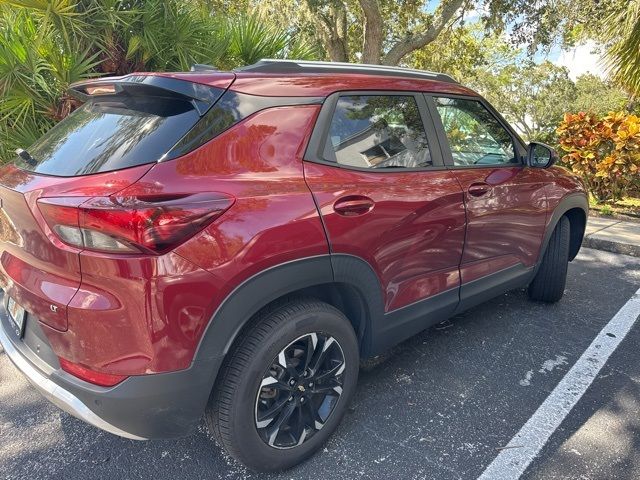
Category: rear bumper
[142,407]
[56,394]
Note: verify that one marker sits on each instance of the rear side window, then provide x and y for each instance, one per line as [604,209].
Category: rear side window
[111,133]
[475,135]
[377,131]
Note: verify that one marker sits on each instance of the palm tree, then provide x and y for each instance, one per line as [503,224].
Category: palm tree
[251,38]
[623,55]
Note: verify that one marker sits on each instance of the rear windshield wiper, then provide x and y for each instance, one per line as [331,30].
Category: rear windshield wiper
[26,156]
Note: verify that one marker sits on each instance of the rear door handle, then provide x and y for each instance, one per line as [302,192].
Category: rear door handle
[353,205]
[479,189]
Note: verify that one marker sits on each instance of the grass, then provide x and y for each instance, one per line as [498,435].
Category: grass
[626,206]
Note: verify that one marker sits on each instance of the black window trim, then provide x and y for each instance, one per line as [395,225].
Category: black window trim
[519,146]
[315,147]
[258,103]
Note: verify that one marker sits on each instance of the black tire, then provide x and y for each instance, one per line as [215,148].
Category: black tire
[232,414]
[551,278]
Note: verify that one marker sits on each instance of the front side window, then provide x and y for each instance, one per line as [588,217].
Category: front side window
[377,131]
[475,135]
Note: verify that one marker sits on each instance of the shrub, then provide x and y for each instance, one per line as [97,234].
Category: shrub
[605,151]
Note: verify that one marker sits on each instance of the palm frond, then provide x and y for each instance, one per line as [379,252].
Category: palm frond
[56,17]
[301,50]
[253,39]
[623,56]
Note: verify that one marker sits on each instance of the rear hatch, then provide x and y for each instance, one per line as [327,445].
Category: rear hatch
[125,125]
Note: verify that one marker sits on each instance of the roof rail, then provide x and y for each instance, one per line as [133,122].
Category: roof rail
[201,67]
[271,65]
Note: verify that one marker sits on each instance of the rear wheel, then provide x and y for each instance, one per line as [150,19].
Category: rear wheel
[285,386]
[549,283]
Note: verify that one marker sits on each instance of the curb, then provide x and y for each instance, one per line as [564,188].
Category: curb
[609,246]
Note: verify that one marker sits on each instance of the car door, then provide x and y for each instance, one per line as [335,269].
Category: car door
[377,176]
[505,200]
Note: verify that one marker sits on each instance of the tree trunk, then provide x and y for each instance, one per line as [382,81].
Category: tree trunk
[332,27]
[336,48]
[373,32]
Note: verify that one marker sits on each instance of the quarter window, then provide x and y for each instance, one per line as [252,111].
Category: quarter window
[377,131]
[475,135]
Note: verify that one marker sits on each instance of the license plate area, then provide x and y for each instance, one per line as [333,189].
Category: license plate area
[17,316]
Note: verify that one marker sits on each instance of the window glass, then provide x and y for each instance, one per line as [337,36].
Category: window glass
[110,133]
[377,131]
[475,135]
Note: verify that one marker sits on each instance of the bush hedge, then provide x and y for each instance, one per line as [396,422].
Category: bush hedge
[604,151]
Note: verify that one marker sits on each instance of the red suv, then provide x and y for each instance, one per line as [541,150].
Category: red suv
[232,244]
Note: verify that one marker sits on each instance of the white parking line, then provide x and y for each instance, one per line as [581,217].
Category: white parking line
[512,461]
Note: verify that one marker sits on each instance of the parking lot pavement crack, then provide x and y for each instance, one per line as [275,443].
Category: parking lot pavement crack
[602,228]
[468,395]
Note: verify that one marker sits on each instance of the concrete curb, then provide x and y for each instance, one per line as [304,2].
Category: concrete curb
[610,246]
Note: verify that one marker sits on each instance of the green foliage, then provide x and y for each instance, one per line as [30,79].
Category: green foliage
[34,72]
[622,30]
[606,210]
[547,23]
[460,52]
[597,96]
[252,38]
[533,97]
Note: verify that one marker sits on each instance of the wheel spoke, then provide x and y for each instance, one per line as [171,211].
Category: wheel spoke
[272,382]
[284,363]
[315,417]
[266,417]
[320,355]
[299,430]
[328,385]
[303,436]
[312,341]
[326,389]
[274,429]
[334,372]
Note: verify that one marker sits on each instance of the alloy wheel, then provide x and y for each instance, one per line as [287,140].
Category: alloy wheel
[300,390]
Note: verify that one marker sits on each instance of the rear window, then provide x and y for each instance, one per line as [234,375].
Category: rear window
[111,133]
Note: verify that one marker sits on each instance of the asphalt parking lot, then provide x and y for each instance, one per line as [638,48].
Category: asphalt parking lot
[442,405]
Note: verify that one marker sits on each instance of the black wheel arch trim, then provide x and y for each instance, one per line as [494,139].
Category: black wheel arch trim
[254,293]
[568,202]
[259,290]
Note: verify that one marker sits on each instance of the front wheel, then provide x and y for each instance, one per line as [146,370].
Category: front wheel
[548,284]
[285,386]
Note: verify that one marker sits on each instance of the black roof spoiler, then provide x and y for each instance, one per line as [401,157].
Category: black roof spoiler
[201,96]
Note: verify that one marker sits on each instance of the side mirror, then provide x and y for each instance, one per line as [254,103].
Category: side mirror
[540,155]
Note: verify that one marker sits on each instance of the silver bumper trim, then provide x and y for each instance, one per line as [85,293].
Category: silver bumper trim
[56,394]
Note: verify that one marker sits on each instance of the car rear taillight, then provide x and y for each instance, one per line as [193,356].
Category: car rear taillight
[91,376]
[150,224]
